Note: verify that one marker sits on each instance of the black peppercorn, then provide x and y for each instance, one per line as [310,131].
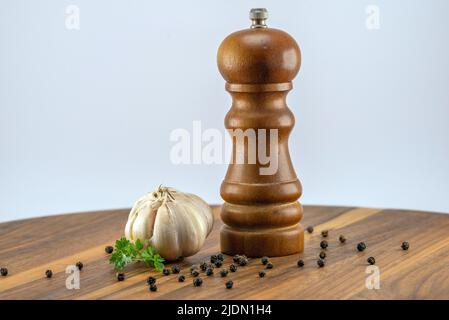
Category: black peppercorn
[108,249]
[243,261]
[49,273]
[120,276]
[300,263]
[324,244]
[233,267]
[220,256]
[324,233]
[175,268]
[361,246]
[236,258]
[195,273]
[181,278]
[229,284]
[209,271]
[197,282]
[153,287]
[151,280]
[342,239]
[371,260]
[213,258]
[309,229]
[166,272]
[218,263]
[79,265]
[320,263]
[194,267]
[269,265]
[4,271]
[405,245]
[265,260]
[323,255]
[261,274]
[223,273]
[203,266]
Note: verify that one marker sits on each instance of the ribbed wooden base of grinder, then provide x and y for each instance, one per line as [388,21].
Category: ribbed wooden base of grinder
[259,243]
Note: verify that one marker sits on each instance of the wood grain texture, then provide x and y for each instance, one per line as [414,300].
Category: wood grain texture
[29,247]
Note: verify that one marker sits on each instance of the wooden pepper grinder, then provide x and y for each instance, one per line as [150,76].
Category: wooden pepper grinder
[261,212]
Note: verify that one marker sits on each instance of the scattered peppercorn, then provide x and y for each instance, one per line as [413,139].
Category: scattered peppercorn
[342,239]
[213,258]
[203,266]
[361,246]
[265,260]
[261,274]
[209,271]
[233,267]
[224,272]
[4,271]
[218,263]
[269,265]
[236,258]
[324,244]
[405,245]
[166,272]
[323,255]
[153,287]
[79,265]
[324,233]
[175,268]
[309,229]
[151,280]
[108,249]
[371,260]
[320,263]
[300,263]
[195,273]
[49,273]
[197,282]
[229,284]
[194,267]
[220,256]
[181,278]
[243,261]
[120,276]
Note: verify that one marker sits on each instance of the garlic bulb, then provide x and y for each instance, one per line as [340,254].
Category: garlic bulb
[176,224]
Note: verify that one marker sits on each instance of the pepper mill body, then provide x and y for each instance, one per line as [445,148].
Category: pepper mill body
[261,213]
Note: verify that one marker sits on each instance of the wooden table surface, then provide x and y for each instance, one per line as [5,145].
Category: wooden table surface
[29,247]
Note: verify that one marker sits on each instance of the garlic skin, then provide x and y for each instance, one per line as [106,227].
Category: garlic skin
[176,224]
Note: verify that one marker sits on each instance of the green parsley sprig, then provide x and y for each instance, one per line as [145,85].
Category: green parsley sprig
[126,252]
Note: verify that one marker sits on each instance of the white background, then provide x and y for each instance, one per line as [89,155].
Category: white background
[85,116]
